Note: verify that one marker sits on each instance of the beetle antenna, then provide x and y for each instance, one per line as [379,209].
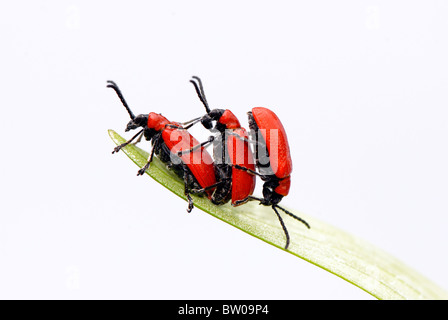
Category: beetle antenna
[201,87]
[200,92]
[113,85]
[291,214]
[188,124]
[283,227]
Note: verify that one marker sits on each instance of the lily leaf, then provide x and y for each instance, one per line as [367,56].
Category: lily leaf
[325,246]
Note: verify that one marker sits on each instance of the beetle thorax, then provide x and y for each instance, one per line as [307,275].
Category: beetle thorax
[156,121]
[229,120]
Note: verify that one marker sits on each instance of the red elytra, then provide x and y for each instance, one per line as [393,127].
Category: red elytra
[229,120]
[157,122]
[243,183]
[274,135]
[199,161]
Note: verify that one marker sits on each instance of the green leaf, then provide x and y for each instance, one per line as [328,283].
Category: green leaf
[330,248]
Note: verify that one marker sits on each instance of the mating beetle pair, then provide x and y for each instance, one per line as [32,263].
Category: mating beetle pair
[231,176]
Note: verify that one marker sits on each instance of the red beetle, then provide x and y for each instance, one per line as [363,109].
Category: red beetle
[273,161]
[231,153]
[168,140]
[272,153]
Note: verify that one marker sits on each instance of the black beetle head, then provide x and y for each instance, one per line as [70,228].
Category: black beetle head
[139,121]
[213,115]
[270,197]
[206,121]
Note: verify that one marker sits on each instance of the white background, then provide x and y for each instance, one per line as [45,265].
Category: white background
[361,88]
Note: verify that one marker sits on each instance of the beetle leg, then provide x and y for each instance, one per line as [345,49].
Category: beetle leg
[187,190]
[205,143]
[190,202]
[202,190]
[118,148]
[146,166]
[139,139]
[244,139]
[249,198]
[255,173]
[173,126]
